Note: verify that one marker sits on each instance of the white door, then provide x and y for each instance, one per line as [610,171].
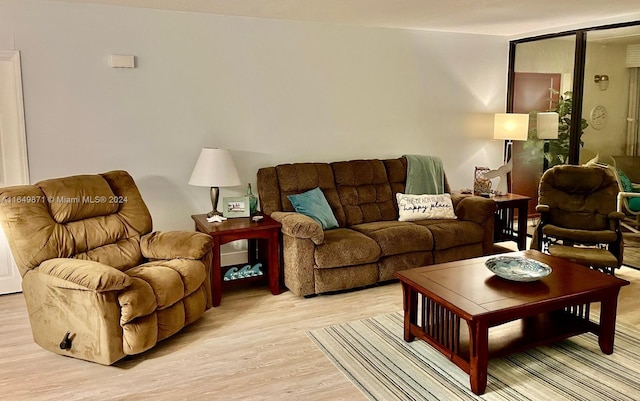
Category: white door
[13,153]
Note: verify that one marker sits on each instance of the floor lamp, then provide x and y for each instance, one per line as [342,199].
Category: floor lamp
[509,127]
[547,128]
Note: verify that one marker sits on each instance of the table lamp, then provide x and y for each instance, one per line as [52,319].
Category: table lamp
[214,169]
[510,127]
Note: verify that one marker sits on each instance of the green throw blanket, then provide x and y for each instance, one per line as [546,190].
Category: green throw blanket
[425,175]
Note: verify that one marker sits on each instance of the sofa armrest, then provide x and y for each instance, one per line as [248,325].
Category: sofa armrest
[479,210]
[542,208]
[175,245]
[616,216]
[86,274]
[298,225]
[614,220]
[278,216]
[474,208]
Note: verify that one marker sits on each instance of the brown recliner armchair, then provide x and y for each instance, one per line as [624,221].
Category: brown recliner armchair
[578,217]
[98,283]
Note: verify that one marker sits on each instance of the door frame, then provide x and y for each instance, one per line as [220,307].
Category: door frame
[14,165]
[13,145]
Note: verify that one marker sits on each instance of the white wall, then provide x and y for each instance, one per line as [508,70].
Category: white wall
[549,56]
[271,91]
[610,60]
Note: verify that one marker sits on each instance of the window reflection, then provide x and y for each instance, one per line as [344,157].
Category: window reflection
[610,102]
[543,80]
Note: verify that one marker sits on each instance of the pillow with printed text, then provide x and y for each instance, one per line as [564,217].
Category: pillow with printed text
[421,207]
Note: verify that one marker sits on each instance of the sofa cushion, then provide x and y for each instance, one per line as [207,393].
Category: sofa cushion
[582,236]
[364,191]
[397,175]
[343,278]
[300,177]
[389,265]
[314,204]
[158,285]
[396,237]
[165,282]
[121,255]
[79,197]
[457,253]
[452,233]
[345,247]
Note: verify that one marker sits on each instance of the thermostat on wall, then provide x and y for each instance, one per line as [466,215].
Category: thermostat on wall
[122,61]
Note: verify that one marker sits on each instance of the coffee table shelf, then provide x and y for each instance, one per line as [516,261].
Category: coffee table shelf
[547,328]
[515,336]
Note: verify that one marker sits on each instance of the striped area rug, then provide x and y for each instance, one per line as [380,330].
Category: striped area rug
[374,356]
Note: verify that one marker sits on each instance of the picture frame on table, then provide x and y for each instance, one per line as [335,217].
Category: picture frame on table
[237,206]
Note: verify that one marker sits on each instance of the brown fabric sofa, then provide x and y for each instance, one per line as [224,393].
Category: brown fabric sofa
[370,243]
[92,268]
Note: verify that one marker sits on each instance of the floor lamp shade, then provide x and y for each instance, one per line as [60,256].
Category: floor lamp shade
[547,125]
[214,168]
[511,126]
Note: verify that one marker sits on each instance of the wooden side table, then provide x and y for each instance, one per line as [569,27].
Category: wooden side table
[505,218]
[263,236]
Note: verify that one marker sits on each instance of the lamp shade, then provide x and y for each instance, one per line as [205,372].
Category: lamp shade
[511,126]
[214,168]
[547,125]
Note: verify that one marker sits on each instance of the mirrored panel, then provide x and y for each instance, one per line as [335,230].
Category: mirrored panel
[542,83]
[611,95]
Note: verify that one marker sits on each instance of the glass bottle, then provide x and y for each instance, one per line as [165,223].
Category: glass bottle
[253,200]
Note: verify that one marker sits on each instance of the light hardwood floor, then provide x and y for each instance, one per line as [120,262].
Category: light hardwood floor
[252,347]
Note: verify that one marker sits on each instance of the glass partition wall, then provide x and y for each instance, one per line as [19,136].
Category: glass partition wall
[588,77]
[542,81]
[610,94]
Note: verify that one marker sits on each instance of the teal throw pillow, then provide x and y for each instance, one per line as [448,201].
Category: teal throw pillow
[313,204]
[626,182]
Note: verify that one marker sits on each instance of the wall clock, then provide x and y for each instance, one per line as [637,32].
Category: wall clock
[598,117]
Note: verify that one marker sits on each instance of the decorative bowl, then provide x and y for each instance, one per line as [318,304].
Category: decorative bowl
[517,268]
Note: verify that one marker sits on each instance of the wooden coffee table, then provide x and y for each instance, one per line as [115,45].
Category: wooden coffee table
[442,299]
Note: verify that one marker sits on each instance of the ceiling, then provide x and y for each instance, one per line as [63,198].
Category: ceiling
[492,17]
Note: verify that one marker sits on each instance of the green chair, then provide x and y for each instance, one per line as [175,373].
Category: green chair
[628,200]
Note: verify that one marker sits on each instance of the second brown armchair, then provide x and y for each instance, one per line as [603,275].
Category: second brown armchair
[578,217]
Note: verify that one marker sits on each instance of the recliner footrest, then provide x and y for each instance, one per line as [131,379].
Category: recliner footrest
[593,257]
